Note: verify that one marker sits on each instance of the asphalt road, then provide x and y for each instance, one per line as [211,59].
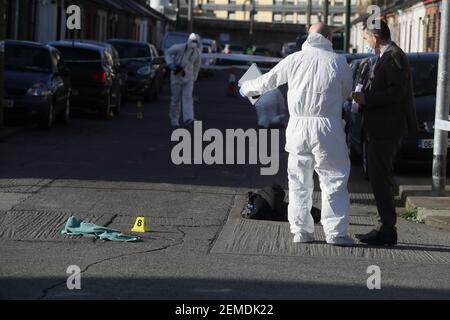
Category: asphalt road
[109,172]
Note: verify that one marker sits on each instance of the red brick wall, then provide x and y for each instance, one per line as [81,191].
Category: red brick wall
[433,26]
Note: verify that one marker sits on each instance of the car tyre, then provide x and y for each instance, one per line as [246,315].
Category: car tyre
[48,118]
[118,104]
[64,117]
[105,113]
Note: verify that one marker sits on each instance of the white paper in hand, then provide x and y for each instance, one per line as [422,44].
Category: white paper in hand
[252,73]
[355,105]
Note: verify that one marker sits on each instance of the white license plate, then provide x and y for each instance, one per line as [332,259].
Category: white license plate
[427,143]
[8,103]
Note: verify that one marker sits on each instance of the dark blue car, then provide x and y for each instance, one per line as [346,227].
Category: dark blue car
[94,79]
[37,84]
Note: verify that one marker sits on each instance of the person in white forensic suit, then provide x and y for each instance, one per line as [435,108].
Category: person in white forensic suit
[271,110]
[184,61]
[319,81]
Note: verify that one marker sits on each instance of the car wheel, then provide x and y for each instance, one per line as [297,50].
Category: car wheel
[118,104]
[47,120]
[106,111]
[365,158]
[65,116]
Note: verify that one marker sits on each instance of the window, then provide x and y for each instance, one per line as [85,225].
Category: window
[32,59]
[301,18]
[337,20]
[232,15]
[277,17]
[289,17]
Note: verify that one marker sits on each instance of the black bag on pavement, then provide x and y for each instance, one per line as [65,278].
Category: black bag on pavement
[268,204]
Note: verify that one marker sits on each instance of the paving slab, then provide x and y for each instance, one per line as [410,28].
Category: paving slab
[257,237]
[42,225]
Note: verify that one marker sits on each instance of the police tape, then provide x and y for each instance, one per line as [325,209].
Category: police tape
[120,60]
[240,57]
[230,67]
[211,56]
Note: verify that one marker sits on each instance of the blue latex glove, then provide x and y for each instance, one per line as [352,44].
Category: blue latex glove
[242,93]
[172,66]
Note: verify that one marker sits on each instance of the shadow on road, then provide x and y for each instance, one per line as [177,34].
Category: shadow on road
[210,289]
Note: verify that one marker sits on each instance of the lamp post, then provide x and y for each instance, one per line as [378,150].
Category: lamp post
[325,11]
[348,13]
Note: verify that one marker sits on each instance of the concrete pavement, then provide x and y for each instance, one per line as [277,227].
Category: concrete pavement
[109,172]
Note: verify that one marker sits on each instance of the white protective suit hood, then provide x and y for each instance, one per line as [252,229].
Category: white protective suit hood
[193,37]
[316,40]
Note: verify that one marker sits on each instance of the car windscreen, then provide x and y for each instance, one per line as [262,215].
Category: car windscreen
[128,50]
[261,52]
[206,49]
[79,57]
[27,58]
[236,48]
[424,75]
[172,39]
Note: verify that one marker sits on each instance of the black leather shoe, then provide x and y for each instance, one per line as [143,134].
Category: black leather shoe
[379,238]
[366,235]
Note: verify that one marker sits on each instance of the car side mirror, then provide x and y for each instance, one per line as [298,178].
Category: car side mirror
[158,60]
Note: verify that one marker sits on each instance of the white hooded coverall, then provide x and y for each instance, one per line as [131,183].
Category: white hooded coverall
[319,81]
[187,56]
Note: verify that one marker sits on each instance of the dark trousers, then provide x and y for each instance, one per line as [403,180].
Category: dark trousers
[381,157]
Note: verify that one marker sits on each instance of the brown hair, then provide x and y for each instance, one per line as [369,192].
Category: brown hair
[383,32]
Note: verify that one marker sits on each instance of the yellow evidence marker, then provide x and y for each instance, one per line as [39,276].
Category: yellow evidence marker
[140,225]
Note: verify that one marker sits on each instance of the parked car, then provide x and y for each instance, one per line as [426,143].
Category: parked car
[260,51]
[206,62]
[288,48]
[95,83]
[417,149]
[233,48]
[171,38]
[118,68]
[209,46]
[37,84]
[144,67]
[356,56]
[211,43]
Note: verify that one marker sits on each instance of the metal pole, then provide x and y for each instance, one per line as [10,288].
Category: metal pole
[2,54]
[252,21]
[308,14]
[190,16]
[177,17]
[348,13]
[325,11]
[442,105]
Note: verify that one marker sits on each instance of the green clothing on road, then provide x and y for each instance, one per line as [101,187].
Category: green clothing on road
[76,227]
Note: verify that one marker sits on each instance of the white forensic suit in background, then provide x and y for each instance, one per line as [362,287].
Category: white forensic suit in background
[319,81]
[271,109]
[184,62]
